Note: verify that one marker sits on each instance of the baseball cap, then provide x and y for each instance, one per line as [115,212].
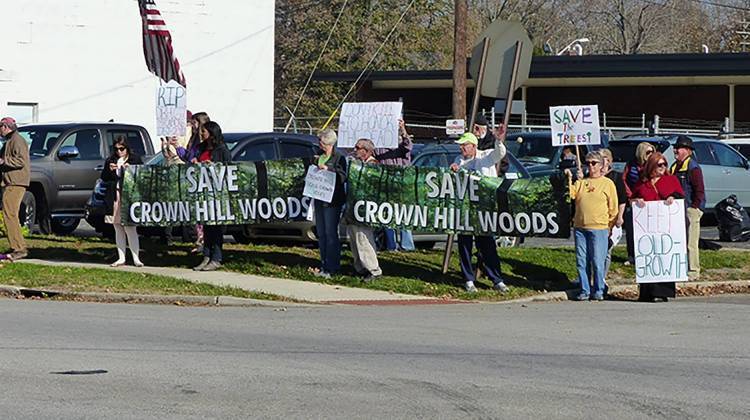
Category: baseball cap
[481,120]
[467,138]
[7,120]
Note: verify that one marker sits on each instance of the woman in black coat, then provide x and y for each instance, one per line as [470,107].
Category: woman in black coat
[111,176]
[213,150]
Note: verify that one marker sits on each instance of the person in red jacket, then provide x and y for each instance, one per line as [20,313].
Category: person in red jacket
[656,184]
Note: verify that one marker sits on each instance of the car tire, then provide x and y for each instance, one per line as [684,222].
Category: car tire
[28,211]
[65,225]
[241,236]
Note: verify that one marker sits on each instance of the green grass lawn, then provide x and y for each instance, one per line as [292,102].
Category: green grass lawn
[528,270]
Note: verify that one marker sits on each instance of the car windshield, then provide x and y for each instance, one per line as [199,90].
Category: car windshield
[40,140]
[531,149]
[624,151]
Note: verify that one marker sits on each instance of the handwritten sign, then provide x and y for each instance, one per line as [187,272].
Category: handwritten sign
[171,108]
[455,127]
[660,242]
[377,121]
[319,184]
[574,124]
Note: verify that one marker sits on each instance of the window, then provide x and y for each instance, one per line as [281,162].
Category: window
[255,152]
[728,156]
[744,149]
[132,137]
[291,149]
[703,154]
[23,112]
[87,142]
[40,141]
[432,160]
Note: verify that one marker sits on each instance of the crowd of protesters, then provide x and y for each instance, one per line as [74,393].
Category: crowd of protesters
[601,201]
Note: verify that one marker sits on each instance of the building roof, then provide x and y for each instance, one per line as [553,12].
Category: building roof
[587,70]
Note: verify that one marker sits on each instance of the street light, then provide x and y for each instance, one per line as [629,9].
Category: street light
[576,43]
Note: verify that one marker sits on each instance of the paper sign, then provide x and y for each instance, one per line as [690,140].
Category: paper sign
[377,121]
[574,124]
[319,184]
[171,109]
[660,242]
[455,127]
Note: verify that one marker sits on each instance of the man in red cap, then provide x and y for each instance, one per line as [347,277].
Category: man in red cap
[14,164]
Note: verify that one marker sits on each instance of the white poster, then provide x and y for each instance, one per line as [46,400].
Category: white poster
[377,121]
[660,242]
[319,184]
[455,127]
[171,109]
[574,124]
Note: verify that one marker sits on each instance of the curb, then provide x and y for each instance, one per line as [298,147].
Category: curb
[683,289]
[228,301]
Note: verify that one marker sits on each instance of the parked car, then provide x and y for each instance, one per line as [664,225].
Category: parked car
[244,147]
[740,144]
[725,170]
[66,160]
[537,154]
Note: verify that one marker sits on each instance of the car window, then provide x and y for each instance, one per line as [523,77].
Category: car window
[40,141]
[291,149]
[257,151]
[728,156]
[703,154]
[532,149]
[87,142]
[744,149]
[133,138]
[434,160]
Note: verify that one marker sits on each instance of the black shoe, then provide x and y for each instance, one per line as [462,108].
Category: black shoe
[370,278]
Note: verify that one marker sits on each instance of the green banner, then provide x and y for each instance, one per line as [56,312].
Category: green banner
[439,200]
[415,198]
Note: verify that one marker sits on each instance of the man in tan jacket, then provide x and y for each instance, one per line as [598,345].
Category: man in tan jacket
[14,165]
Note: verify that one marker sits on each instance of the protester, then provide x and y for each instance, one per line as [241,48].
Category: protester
[596,212]
[622,200]
[361,238]
[656,184]
[14,164]
[111,176]
[690,175]
[482,162]
[631,175]
[400,156]
[197,121]
[486,141]
[213,150]
[173,153]
[328,215]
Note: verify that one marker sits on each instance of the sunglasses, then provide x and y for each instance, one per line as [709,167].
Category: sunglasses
[119,148]
[662,164]
[648,152]
[592,163]
[358,148]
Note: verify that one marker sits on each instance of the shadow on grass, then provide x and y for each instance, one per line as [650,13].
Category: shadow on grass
[535,276]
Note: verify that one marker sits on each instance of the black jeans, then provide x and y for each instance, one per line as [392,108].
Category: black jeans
[213,240]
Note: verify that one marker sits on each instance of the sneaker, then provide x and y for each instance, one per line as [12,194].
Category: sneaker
[203,263]
[581,297]
[211,266]
[371,277]
[500,287]
[322,274]
[469,286]
[598,297]
[17,255]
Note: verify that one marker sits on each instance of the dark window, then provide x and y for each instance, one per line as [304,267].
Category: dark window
[291,149]
[728,156]
[433,160]
[40,141]
[132,137]
[744,149]
[255,152]
[704,155]
[87,142]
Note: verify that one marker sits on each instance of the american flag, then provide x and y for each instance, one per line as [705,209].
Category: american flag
[157,44]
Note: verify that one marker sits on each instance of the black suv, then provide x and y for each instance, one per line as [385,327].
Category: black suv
[66,160]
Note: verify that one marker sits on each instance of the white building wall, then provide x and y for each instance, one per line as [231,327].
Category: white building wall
[82,60]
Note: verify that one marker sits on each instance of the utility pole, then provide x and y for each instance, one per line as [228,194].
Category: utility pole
[459,58]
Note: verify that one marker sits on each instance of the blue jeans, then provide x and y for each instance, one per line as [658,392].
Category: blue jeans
[213,241]
[327,228]
[488,252]
[591,249]
[407,241]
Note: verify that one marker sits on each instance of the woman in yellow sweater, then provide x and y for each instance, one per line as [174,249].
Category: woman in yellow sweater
[596,212]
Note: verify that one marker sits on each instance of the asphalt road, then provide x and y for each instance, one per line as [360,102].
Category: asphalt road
[683,359]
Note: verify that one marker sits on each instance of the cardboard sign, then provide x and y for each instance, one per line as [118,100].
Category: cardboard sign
[455,127]
[660,242]
[574,124]
[377,121]
[319,184]
[171,109]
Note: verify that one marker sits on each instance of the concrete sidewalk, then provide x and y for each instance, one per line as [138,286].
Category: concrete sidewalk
[295,289]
